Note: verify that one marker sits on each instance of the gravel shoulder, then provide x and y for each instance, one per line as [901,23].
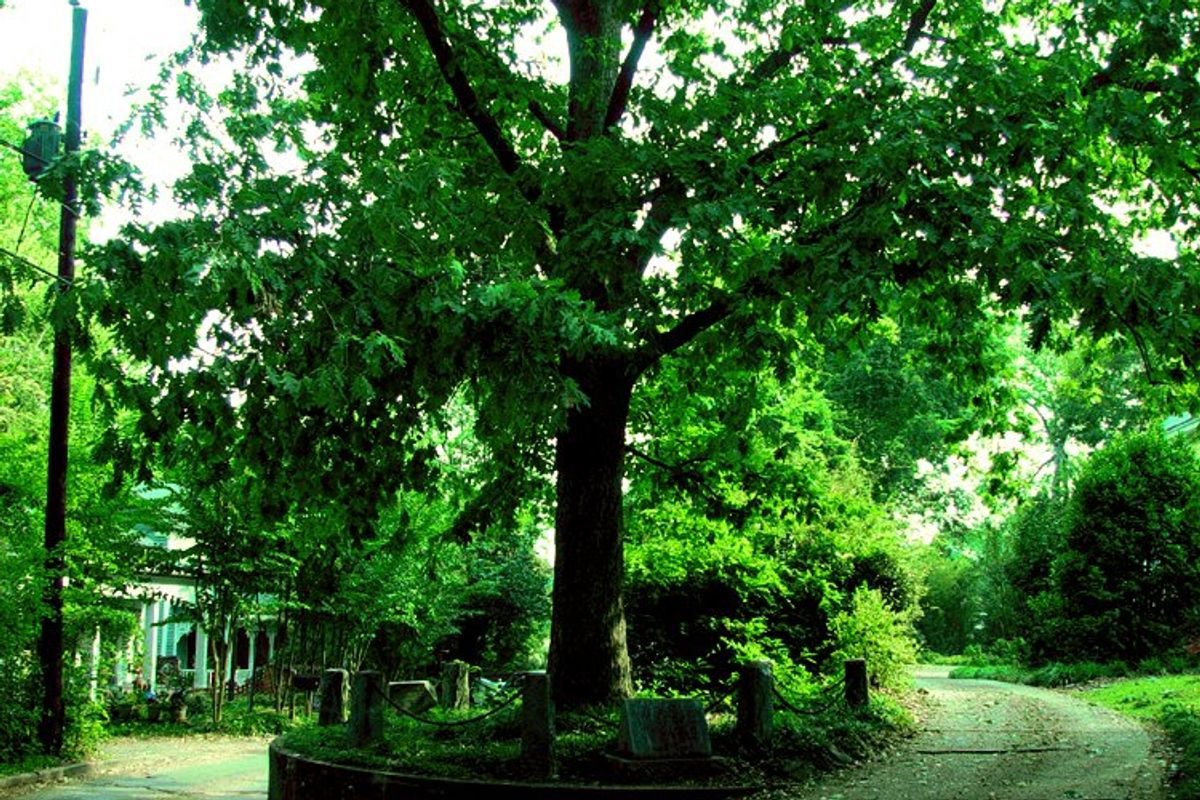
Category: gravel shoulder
[984,740]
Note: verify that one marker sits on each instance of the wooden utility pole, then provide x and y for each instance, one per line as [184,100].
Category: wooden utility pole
[50,642]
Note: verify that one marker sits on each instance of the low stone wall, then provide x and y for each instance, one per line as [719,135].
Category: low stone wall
[295,777]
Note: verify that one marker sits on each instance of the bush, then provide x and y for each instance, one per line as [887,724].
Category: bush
[1129,574]
[1182,724]
[870,629]
[951,603]
[199,703]
[703,595]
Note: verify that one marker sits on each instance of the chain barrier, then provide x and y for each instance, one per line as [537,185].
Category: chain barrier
[720,700]
[508,701]
[712,706]
[788,706]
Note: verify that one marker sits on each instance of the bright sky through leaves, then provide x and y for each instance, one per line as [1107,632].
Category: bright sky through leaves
[35,36]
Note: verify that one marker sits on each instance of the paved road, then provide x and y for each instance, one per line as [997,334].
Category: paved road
[982,740]
[177,769]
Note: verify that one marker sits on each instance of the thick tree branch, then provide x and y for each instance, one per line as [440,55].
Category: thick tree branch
[1143,352]
[762,286]
[690,327]
[1121,61]
[548,122]
[916,29]
[685,478]
[1106,77]
[641,35]
[770,66]
[449,65]
[665,201]
[649,459]
[775,149]
[778,60]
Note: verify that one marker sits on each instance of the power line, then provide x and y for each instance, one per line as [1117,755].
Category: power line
[23,151]
[25,222]
[25,262]
[72,211]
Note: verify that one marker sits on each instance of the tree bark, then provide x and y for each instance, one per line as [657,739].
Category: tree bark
[589,660]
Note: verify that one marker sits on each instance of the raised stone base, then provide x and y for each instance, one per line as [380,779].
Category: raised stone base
[293,777]
[661,770]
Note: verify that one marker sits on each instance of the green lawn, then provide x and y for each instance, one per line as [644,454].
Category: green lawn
[1174,702]
[1149,697]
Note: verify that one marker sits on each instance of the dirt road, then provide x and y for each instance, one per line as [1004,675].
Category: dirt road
[982,740]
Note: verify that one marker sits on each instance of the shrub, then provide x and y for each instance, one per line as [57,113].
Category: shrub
[1129,575]
[199,704]
[1182,723]
[870,629]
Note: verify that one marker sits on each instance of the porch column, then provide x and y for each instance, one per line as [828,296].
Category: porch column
[94,666]
[230,651]
[253,637]
[150,656]
[200,674]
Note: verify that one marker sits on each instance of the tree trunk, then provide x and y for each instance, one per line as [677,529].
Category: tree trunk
[589,660]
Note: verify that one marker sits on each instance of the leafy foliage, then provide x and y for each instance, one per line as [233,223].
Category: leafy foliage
[753,536]
[98,550]
[1106,574]
[393,203]
[1127,575]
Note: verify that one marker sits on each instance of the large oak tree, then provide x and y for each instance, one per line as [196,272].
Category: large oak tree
[463,215]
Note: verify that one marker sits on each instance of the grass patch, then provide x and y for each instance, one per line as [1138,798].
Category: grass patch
[940,659]
[490,749]
[237,720]
[1173,701]
[1050,675]
[32,763]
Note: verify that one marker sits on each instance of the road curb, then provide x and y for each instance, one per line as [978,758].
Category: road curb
[48,775]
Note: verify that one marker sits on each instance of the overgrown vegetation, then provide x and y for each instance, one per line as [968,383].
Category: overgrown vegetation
[1106,574]
[633,374]
[1093,583]
[802,745]
[138,718]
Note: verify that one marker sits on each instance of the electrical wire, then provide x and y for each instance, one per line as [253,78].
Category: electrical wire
[25,262]
[25,222]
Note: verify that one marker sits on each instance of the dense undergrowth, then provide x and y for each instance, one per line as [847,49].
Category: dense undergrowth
[1056,674]
[238,719]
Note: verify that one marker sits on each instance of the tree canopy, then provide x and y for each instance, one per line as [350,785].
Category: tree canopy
[534,206]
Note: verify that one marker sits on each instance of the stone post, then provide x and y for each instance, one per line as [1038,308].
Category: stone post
[857,688]
[366,708]
[335,695]
[456,686]
[537,725]
[755,705]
